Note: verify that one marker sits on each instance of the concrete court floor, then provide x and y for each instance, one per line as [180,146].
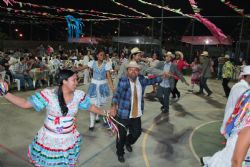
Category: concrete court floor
[165,141]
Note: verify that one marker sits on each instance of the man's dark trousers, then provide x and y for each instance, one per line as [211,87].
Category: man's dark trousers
[134,127]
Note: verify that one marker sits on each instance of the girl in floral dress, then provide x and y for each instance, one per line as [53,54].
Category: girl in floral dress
[57,143]
[196,72]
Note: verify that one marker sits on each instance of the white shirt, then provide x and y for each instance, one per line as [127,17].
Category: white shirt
[139,96]
[237,90]
[85,60]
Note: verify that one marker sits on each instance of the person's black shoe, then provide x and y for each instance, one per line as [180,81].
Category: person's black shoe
[23,89]
[178,95]
[30,88]
[162,108]
[201,161]
[129,148]
[199,93]
[91,129]
[121,158]
[97,121]
[209,94]
[165,112]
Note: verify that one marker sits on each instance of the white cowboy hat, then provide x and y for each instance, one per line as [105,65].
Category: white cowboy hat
[245,71]
[227,56]
[169,54]
[204,53]
[135,50]
[180,54]
[133,64]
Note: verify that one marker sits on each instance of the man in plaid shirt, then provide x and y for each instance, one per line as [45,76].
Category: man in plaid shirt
[124,103]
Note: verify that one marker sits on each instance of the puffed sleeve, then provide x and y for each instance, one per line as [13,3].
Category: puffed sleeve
[90,64]
[84,102]
[40,99]
[108,67]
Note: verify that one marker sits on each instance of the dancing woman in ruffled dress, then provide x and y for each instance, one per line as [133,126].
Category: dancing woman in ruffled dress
[57,143]
[236,152]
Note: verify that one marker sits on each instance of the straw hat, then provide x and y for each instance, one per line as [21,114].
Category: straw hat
[227,56]
[204,53]
[169,54]
[179,53]
[135,50]
[245,71]
[133,64]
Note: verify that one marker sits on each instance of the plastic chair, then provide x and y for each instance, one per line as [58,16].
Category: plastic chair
[18,84]
[17,81]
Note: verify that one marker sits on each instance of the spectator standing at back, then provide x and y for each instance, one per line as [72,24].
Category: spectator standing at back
[206,66]
[227,73]
[221,62]
[41,50]
[243,64]
[123,58]
[50,50]
[86,59]
[125,50]
[60,49]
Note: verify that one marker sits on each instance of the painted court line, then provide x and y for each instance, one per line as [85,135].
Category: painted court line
[145,138]
[5,103]
[13,153]
[144,141]
[191,137]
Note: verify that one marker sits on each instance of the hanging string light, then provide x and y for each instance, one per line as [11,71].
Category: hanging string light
[178,11]
[54,16]
[7,2]
[194,6]
[71,10]
[211,27]
[130,8]
[234,7]
[215,31]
